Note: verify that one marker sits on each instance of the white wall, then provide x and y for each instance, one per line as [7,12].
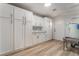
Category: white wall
[71,16]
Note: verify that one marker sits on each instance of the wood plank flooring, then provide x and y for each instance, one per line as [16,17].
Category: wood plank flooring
[49,48]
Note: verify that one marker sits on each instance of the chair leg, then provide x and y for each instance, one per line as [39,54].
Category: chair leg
[65,46]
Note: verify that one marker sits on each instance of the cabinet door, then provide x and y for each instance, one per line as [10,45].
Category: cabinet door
[28,33]
[19,13]
[46,29]
[19,34]
[19,27]
[6,40]
[6,28]
[5,10]
[28,40]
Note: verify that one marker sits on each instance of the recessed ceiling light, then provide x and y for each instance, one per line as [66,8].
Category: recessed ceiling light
[47,4]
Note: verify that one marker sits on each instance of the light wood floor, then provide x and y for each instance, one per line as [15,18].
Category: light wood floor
[49,48]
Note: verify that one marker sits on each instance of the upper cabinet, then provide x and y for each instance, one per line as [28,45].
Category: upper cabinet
[29,16]
[19,13]
[6,10]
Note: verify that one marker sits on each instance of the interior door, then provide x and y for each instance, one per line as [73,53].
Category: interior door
[6,28]
[59,29]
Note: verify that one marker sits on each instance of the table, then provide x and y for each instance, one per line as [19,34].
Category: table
[68,41]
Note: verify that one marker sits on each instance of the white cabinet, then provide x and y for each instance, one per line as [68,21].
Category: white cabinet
[18,28]
[28,29]
[19,34]
[5,10]
[43,35]
[48,28]
[6,28]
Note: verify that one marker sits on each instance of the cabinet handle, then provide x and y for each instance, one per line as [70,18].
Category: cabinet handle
[25,20]
[11,19]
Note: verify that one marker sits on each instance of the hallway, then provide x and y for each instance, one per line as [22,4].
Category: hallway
[49,48]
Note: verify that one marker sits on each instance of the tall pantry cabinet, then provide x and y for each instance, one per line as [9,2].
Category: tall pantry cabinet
[29,19]
[22,28]
[19,18]
[6,28]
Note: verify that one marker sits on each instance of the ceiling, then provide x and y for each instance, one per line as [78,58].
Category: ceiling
[54,10]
